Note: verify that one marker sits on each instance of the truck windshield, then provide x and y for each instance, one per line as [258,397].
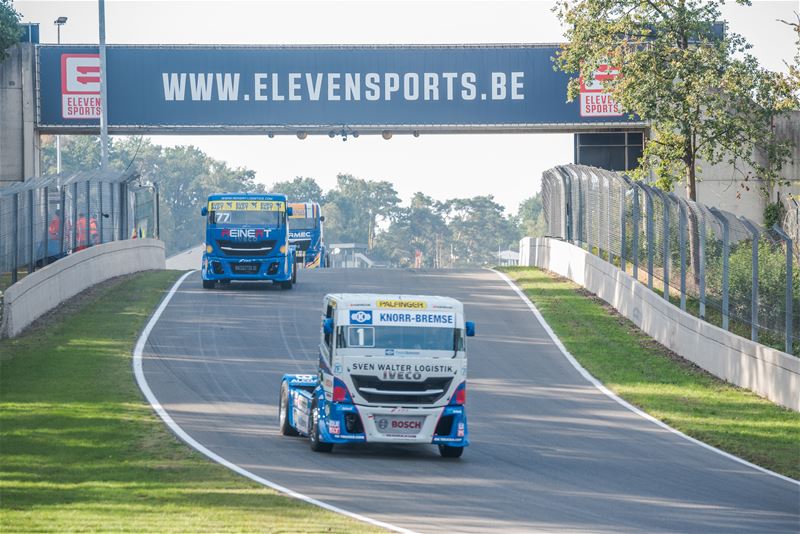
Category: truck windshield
[300,223]
[236,217]
[400,337]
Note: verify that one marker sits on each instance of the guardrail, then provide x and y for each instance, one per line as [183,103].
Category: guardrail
[723,269]
[45,289]
[766,371]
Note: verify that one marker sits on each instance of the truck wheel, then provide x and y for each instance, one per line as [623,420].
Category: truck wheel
[294,273]
[450,452]
[313,433]
[287,284]
[208,284]
[283,413]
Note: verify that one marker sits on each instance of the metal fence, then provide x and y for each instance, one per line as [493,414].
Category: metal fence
[791,222]
[722,268]
[49,217]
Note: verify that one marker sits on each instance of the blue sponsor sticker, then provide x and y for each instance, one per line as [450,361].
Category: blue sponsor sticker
[360,316]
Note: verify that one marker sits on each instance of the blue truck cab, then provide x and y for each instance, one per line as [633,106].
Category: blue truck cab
[247,238]
[305,233]
[392,369]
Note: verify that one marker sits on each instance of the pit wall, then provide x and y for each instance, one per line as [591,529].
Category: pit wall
[767,372]
[43,290]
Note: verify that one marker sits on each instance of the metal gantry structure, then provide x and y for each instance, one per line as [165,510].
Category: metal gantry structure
[724,269]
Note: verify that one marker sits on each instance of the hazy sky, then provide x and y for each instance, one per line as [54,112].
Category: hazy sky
[443,166]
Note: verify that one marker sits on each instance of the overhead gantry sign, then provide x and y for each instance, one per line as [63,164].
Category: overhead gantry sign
[312,89]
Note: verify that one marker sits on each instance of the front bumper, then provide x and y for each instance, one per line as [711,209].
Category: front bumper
[277,268]
[349,423]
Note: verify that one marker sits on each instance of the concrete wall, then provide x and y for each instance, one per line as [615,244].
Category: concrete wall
[738,190]
[19,142]
[768,372]
[43,290]
[191,258]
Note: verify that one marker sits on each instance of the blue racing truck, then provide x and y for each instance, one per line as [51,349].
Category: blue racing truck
[392,369]
[305,232]
[247,238]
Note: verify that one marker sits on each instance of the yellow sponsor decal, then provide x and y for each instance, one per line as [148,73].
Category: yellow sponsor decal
[298,210]
[402,304]
[246,205]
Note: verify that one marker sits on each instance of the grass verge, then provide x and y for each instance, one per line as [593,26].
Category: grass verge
[82,451]
[659,382]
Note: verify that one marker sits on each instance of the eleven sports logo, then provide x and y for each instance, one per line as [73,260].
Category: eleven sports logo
[80,86]
[595,103]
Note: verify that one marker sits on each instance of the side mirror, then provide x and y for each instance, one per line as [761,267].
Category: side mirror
[322,218]
[470,328]
[204,211]
[327,325]
[289,211]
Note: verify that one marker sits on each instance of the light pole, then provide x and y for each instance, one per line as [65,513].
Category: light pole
[60,21]
[101,4]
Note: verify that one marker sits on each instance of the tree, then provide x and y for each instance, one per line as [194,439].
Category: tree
[478,228]
[355,207]
[10,30]
[794,67]
[420,227]
[299,190]
[530,217]
[705,94]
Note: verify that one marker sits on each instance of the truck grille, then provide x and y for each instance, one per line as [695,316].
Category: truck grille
[246,248]
[375,390]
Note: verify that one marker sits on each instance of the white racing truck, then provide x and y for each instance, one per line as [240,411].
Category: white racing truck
[391,369]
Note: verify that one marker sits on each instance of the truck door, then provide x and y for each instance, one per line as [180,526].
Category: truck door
[326,352]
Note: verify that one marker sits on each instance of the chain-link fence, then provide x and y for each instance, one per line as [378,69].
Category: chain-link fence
[49,217]
[724,269]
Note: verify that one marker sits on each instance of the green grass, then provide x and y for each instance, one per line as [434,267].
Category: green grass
[670,388]
[5,278]
[82,451]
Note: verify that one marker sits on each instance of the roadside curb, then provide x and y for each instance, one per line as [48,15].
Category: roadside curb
[619,400]
[141,381]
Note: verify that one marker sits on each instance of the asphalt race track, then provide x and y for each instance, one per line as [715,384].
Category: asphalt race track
[549,451]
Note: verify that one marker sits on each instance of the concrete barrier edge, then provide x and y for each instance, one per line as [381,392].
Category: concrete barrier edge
[43,290]
[766,371]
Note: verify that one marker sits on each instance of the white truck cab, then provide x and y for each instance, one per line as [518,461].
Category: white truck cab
[392,368]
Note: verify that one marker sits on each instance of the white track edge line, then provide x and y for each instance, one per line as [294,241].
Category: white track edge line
[162,413]
[599,385]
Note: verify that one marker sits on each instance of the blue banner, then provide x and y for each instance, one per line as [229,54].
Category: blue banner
[313,88]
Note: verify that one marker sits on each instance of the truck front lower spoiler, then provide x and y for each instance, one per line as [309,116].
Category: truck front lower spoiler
[218,268]
[348,423]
